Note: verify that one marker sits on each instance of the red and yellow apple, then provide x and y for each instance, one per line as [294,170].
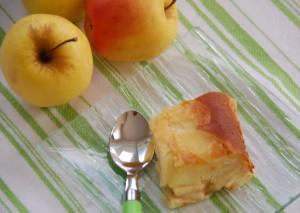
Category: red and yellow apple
[130,30]
[46,60]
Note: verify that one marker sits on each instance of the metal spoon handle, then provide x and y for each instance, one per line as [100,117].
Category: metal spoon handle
[132,202]
[131,187]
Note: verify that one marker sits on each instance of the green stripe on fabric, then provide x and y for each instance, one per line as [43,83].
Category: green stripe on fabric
[237,51]
[281,210]
[67,111]
[88,185]
[147,204]
[41,161]
[165,82]
[186,23]
[86,132]
[288,157]
[27,117]
[12,197]
[20,109]
[265,35]
[217,202]
[267,194]
[91,188]
[2,34]
[124,89]
[291,7]
[85,101]
[60,125]
[33,123]
[72,114]
[82,178]
[296,3]
[35,168]
[52,117]
[277,111]
[6,208]
[251,45]
[6,13]
[82,127]
[230,201]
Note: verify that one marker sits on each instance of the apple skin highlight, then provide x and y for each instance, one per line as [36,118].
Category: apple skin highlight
[129,30]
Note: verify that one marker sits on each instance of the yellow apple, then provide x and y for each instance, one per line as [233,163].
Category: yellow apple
[46,60]
[130,30]
[70,9]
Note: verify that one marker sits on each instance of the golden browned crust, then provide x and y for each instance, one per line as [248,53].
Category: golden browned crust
[223,121]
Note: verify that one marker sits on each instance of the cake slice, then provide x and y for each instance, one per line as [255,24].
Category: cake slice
[200,149]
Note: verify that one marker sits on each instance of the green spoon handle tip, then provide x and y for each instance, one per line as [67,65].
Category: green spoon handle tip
[132,206]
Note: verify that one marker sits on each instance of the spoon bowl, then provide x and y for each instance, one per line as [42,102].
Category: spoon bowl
[131,149]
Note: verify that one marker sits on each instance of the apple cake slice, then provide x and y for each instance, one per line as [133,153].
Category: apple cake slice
[200,149]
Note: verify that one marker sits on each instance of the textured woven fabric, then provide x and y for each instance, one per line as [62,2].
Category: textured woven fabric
[55,159]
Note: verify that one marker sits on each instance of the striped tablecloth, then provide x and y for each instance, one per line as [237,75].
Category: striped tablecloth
[55,159]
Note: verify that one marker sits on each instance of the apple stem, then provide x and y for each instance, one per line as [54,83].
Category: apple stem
[60,44]
[170,5]
[44,56]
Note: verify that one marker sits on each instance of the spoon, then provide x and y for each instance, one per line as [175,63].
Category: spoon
[131,149]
